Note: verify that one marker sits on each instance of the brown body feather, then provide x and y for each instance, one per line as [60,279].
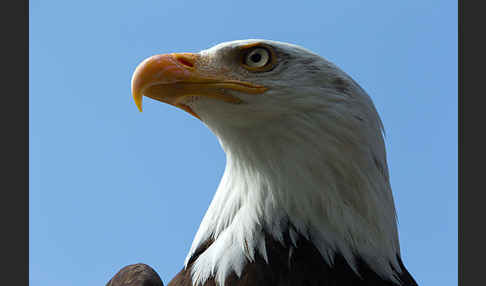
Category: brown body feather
[305,267]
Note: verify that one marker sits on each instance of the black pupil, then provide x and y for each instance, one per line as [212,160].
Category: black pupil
[256,57]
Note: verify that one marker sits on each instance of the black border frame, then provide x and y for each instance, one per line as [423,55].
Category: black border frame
[15,119]
[471,239]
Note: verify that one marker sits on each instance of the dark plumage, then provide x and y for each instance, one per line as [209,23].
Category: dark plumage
[136,275]
[304,268]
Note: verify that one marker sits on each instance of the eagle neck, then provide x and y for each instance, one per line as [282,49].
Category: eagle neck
[310,182]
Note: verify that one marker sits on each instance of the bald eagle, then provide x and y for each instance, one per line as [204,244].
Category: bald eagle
[305,198]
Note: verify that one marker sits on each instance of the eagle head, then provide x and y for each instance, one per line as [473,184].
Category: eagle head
[305,153]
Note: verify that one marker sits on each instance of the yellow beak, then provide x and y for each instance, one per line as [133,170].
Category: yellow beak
[172,77]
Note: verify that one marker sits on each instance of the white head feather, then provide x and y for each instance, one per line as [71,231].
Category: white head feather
[308,152]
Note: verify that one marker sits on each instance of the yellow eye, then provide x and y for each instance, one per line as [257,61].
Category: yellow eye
[257,58]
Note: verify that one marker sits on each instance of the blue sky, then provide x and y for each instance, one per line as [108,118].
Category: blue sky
[110,186]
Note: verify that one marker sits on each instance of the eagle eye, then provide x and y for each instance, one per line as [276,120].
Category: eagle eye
[258,59]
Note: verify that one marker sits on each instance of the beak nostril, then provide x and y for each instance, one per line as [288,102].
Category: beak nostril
[185,59]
